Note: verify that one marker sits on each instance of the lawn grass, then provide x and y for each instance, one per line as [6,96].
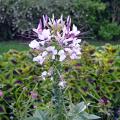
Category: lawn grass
[6,46]
[102,42]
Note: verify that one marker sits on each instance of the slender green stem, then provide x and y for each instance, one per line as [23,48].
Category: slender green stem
[58,93]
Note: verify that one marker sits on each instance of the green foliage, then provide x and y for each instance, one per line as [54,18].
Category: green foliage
[18,76]
[97,76]
[93,79]
[76,112]
[108,31]
[39,115]
[19,16]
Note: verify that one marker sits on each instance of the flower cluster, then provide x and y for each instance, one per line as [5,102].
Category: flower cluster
[56,39]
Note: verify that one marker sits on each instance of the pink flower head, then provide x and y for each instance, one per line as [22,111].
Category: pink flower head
[44,35]
[56,32]
[45,21]
[39,28]
[1,93]
[34,95]
[68,22]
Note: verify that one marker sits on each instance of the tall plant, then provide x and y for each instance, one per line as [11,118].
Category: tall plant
[57,42]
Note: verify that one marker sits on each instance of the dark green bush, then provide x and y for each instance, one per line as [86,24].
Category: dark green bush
[94,79]
[19,16]
[109,31]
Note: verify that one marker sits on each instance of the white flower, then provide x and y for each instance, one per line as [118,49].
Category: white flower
[76,42]
[65,41]
[76,50]
[68,50]
[45,53]
[39,59]
[42,43]
[39,28]
[62,55]
[74,30]
[43,75]
[73,56]
[45,20]
[34,44]
[61,52]
[52,50]
[62,84]
[44,35]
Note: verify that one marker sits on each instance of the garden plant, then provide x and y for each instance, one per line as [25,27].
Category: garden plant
[58,41]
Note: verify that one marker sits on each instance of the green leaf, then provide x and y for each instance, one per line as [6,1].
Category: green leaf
[41,115]
[32,118]
[90,116]
[76,109]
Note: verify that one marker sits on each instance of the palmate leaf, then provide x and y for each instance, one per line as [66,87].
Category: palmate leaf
[77,118]
[77,112]
[32,118]
[90,116]
[39,115]
[76,109]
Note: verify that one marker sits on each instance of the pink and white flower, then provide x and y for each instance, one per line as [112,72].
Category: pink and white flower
[44,75]
[40,59]
[44,35]
[62,84]
[1,93]
[62,55]
[58,32]
[34,44]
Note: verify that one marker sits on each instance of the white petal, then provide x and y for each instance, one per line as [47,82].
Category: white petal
[41,37]
[61,52]
[34,44]
[68,50]
[62,84]
[73,56]
[39,59]
[44,73]
[74,29]
[53,57]
[62,57]
[42,43]
[54,52]
[44,53]
[46,33]
[50,48]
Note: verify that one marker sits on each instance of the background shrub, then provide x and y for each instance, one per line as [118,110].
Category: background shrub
[19,16]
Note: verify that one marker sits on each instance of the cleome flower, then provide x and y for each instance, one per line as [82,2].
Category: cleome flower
[1,93]
[34,45]
[62,84]
[56,38]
